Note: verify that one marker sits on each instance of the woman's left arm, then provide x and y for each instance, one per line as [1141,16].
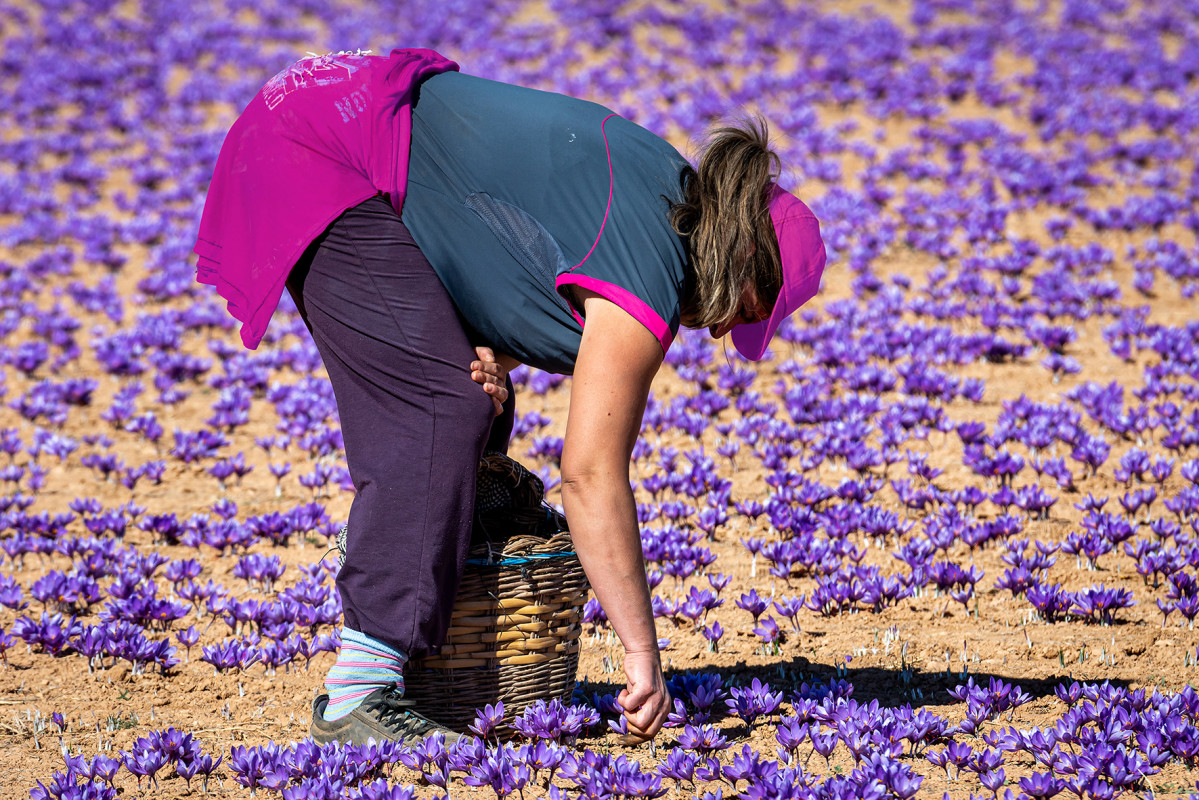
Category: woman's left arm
[618,358]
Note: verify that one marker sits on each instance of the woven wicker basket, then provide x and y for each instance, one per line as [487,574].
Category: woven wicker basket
[514,633]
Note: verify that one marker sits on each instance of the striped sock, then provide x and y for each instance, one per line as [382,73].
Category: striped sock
[363,665]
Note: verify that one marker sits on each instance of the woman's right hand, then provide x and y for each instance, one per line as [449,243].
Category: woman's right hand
[645,700]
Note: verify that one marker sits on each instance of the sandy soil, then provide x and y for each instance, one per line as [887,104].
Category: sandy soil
[911,653]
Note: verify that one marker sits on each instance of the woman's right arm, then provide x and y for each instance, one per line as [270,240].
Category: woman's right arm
[618,358]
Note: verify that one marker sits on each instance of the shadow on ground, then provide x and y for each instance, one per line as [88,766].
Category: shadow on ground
[890,687]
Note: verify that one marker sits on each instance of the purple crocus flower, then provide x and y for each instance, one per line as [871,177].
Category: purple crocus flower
[702,739]
[1041,785]
[679,765]
[144,763]
[824,744]
[1100,603]
[752,603]
[487,719]
[103,768]
[713,633]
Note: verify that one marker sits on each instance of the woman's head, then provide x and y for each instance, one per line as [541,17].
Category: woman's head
[755,250]
[725,216]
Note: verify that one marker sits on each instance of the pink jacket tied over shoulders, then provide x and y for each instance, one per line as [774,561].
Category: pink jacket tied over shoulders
[323,135]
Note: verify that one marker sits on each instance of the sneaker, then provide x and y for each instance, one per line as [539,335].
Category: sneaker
[384,715]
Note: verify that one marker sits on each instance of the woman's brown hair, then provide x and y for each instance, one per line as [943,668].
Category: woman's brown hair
[726,221]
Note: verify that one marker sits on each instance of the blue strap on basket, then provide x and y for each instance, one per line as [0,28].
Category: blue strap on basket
[508,562]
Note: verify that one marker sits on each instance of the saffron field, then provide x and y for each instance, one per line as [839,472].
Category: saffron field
[944,541]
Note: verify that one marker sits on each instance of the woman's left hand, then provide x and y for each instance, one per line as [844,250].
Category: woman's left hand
[492,375]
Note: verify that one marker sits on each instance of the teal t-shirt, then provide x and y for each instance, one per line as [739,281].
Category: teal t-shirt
[514,195]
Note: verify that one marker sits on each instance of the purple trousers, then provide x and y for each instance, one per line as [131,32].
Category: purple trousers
[414,422]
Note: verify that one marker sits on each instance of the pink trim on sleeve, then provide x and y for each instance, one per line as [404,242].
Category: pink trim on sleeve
[634,305]
[611,186]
